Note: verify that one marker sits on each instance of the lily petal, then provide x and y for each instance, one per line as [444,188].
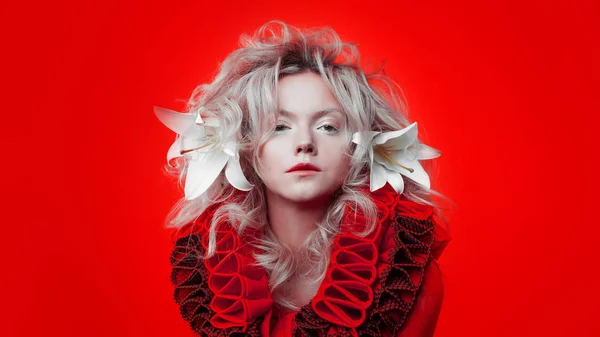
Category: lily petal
[207,118]
[212,121]
[230,149]
[419,175]
[395,179]
[378,176]
[385,162]
[399,139]
[395,157]
[427,152]
[371,155]
[409,154]
[199,119]
[184,143]
[202,172]
[188,143]
[235,175]
[181,123]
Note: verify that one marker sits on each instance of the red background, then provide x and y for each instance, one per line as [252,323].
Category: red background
[507,92]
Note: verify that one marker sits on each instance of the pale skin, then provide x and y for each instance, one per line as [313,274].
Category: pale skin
[311,129]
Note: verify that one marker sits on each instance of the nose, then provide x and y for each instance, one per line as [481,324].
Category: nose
[306,147]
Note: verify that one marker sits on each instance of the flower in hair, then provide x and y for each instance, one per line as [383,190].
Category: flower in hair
[197,140]
[393,155]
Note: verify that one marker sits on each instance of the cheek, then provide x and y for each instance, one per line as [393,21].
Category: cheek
[268,156]
[339,158]
[344,165]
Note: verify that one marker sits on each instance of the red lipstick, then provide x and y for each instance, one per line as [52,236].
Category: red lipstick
[303,167]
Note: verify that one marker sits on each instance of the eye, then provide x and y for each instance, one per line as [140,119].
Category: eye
[280,127]
[328,128]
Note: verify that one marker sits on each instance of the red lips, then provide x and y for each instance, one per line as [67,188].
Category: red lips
[303,167]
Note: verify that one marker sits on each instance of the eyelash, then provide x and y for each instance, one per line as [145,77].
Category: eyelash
[329,125]
[279,128]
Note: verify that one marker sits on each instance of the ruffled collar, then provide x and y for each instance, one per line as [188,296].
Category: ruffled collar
[240,290]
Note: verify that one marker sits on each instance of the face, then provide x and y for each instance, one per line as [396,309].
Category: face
[306,159]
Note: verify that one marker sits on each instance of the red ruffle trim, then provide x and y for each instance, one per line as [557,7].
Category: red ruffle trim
[240,287]
[346,292]
[192,293]
[408,236]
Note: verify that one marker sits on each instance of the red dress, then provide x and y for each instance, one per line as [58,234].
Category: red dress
[369,289]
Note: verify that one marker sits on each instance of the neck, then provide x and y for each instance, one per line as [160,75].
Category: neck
[292,222]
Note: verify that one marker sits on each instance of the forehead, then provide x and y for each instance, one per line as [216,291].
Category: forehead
[305,93]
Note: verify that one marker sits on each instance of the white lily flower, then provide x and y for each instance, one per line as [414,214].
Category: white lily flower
[392,156]
[197,141]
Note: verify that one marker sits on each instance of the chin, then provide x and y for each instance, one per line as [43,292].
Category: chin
[310,194]
[309,199]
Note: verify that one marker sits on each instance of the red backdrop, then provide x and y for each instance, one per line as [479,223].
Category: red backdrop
[506,91]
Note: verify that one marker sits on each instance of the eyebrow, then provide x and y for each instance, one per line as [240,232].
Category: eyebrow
[318,113]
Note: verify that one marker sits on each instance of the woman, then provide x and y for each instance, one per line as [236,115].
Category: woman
[306,209]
